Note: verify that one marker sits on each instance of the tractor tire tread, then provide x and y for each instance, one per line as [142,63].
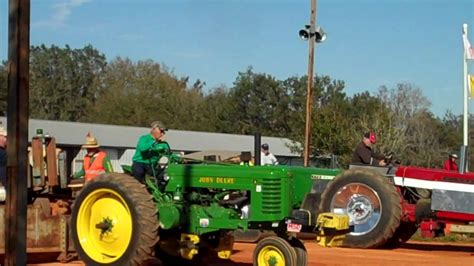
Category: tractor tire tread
[301,253]
[144,212]
[388,189]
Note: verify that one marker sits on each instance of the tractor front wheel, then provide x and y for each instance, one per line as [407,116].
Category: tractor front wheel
[114,221]
[301,253]
[274,251]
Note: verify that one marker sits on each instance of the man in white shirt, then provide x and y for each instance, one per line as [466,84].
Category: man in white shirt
[267,158]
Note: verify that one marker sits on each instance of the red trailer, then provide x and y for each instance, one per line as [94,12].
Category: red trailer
[452,197]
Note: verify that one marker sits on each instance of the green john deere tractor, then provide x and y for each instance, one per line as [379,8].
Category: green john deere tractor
[187,213]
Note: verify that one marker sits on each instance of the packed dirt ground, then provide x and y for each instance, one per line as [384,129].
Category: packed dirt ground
[411,253]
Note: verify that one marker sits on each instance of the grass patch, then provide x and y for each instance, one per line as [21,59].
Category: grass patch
[465,238]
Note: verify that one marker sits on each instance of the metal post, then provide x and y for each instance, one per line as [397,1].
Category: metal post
[17,122]
[309,95]
[463,159]
[257,148]
[466,111]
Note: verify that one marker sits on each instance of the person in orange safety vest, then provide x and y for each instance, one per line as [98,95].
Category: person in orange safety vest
[96,161]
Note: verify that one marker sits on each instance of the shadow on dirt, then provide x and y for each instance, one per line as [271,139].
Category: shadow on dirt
[157,262]
[438,247]
[34,258]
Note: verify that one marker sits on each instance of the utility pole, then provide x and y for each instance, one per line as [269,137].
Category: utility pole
[309,94]
[17,124]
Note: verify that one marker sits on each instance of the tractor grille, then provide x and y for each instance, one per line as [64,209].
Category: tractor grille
[271,196]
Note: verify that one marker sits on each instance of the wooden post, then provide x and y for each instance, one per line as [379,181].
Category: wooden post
[17,123]
[309,94]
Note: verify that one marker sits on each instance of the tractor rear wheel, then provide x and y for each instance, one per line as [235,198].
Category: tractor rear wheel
[274,250]
[114,221]
[372,203]
[403,233]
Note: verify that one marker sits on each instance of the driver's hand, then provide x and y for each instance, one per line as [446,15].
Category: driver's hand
[382,163]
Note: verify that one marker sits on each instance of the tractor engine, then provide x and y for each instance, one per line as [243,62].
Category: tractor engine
[236,200]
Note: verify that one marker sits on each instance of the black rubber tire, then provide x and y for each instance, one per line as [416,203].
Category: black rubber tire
[389,199]
[144,214]
[403,233]
[300,250]
[281,244]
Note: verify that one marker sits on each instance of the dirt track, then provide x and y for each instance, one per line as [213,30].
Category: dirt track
[412,253]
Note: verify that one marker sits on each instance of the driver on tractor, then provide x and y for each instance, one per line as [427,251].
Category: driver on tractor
[150,148]
[363,153]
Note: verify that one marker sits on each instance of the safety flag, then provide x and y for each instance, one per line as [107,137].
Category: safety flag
[468,50]
[471,85]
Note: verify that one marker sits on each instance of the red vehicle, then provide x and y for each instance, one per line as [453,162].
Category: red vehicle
[388,205]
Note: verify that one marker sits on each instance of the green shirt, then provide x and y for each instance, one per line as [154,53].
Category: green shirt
[149,150]
[106,164]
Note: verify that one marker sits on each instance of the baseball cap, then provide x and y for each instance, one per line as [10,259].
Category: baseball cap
[453,155]
[265,146]
[158,124]
[371,136]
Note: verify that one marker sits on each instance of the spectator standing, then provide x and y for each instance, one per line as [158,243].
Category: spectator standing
[450,163]
[266,157]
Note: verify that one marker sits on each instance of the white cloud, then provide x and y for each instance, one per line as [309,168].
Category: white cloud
[61,13]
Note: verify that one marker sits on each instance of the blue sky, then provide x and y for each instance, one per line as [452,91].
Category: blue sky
[370,42]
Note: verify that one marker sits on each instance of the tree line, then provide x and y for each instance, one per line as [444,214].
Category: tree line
[82,85]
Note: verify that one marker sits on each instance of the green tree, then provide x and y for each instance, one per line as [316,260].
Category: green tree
[217,110]
[451,135]
[78,85]
[357,114]
[260,104]
[424,141]
[63,81]
[413,133]
[331,126]
[138,93]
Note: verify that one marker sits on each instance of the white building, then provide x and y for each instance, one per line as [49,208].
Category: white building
[120,141]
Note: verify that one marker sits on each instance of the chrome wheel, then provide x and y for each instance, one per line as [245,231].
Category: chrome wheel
[361,203]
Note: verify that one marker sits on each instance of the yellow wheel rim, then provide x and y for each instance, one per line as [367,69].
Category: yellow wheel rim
[104,225]
[271,256]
